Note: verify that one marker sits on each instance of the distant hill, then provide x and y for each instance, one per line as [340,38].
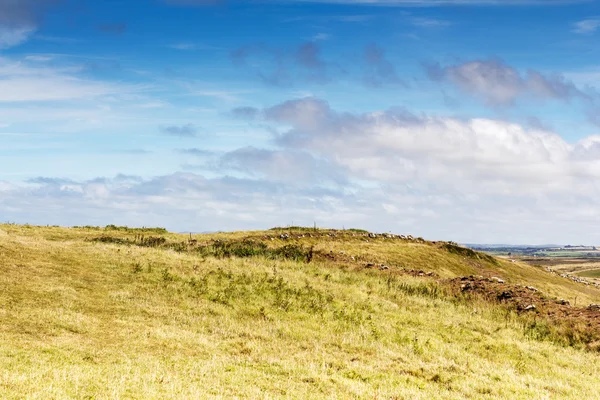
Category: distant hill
[521,246]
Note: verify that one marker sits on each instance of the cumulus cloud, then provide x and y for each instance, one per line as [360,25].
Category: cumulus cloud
[397,147]
[497,83]
[472,180]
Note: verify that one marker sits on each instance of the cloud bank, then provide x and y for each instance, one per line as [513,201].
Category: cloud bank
[475,180]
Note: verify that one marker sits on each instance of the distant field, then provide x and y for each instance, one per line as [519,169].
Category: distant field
[594,273]
[583,267]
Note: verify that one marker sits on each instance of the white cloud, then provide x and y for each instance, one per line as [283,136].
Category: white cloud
[38,58]
[57,88]
[472,180]
[28,82]
[587,26]
[423,22]
[321,36]
[10,37]
[183,46]
[478,155]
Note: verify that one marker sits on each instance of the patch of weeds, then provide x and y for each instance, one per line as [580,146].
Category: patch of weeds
[167,276]
[354,375]
[110,239]
[250,248]
[128,229]
[428,289]
[150,241]
[137,268]
[349,315]
[417,347]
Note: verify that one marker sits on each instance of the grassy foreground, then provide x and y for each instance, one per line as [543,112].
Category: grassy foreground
[111,314]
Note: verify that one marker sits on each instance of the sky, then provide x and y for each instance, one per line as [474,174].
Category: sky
[476,121]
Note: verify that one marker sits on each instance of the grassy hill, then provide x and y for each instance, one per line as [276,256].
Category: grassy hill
[289,313]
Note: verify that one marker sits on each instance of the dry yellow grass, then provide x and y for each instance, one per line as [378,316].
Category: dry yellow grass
[81,319]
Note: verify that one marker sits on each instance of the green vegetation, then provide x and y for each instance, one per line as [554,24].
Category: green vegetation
[593,273]
[128,313]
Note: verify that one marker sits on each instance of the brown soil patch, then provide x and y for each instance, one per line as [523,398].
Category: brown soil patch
[523,297]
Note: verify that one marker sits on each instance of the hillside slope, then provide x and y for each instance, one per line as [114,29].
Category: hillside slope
[123,313]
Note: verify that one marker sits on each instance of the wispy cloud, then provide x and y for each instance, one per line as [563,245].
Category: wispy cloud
[21,82]
[424,22]
[38,58]
[432,3]
[356,18]
[587,26]
[500,84]
[321,36]
[14,36]
[188,46]
[183,46]
[187,130]
[380,71]
[20,19]
[194,3]
[400,3]
[245,112]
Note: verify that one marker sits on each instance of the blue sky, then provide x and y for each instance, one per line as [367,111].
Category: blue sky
[466,120]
